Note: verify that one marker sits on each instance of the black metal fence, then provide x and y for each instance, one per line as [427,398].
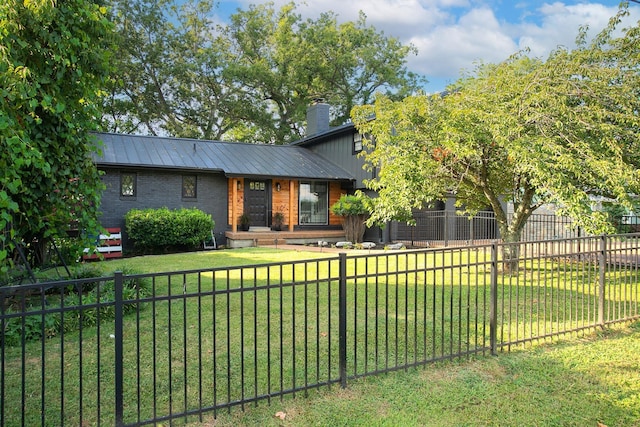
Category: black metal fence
[446,227]
[180,346]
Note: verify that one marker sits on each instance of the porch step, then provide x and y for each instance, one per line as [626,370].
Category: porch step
[254,229]
[243,239]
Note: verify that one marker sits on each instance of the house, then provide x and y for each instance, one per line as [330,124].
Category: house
[225,180]
[228,180]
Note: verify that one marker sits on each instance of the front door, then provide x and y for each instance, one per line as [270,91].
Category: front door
[256,201]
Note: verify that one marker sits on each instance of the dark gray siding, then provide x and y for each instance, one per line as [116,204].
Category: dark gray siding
[339,151]
[156,189]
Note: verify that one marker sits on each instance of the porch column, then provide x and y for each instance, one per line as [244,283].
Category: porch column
[234,204]
[292,200]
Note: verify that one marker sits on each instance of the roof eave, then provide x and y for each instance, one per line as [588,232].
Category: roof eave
[320,137]
[155,167]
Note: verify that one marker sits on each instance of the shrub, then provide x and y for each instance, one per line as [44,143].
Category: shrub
[351,204]
[40,326]
[616,214]
[34,326]
[162,230]
[70,250]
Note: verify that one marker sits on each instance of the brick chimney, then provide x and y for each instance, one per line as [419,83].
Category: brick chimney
[317,117]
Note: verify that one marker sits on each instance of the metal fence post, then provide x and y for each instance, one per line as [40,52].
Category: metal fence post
[446,228]
[601,286]
[118,332]
[342,319]
[493,300]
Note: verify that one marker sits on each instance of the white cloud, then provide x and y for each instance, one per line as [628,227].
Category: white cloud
[447,49]
[398,18]
[560,26]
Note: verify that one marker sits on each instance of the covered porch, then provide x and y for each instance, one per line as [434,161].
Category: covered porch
[304,219]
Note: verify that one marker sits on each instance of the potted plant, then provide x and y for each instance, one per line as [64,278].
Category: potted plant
[278,220]
[244,222]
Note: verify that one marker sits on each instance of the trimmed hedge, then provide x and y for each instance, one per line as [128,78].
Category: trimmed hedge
[163,230]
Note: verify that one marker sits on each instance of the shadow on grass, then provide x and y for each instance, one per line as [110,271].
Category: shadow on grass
[581,382]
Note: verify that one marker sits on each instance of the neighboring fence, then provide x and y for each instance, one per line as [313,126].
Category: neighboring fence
[145,349]
[445,228]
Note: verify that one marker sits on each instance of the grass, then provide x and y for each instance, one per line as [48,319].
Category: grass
[208,259]
[165,345]
[579,382]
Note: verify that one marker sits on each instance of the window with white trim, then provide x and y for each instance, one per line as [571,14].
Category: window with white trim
[357,143]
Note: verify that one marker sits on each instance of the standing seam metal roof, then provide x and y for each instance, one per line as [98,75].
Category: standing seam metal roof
[232,159]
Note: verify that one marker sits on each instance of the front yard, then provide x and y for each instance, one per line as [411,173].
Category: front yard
[587,379]
[592,381]
[578,382]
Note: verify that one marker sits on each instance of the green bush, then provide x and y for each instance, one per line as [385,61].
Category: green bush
[70,249]
[351,204]
[616,214]
[34,327]
[51,324]
[163,230]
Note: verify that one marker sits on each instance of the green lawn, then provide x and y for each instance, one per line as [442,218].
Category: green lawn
[484,391]
[580,382]
[208,259]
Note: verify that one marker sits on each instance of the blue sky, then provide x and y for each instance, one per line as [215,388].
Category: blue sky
[453,35]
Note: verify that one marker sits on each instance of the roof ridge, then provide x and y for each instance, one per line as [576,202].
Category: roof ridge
[190,140]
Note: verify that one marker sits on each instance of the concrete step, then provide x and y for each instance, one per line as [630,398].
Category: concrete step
[254,229]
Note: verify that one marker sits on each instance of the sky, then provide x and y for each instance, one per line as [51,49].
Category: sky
[452,36]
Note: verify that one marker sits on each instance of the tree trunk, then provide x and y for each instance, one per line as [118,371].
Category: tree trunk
[511,229]
[510,251]
[354,227]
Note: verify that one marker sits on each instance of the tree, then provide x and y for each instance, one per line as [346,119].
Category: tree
[354,210]
[171,75]
[288,62]
[53,65]
[526,131]
[250,80]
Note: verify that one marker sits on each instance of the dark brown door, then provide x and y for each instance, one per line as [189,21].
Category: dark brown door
[256,201]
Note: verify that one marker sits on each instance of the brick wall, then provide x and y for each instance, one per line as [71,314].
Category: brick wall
[156,189]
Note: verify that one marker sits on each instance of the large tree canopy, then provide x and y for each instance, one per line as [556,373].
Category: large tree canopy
[170,77]
[53,65]
[526,131]
[250,80]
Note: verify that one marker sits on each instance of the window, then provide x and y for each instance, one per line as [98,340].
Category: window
[128,184]
[357,143]
[257,186]
[359,139]
[189,186]
[314,203]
